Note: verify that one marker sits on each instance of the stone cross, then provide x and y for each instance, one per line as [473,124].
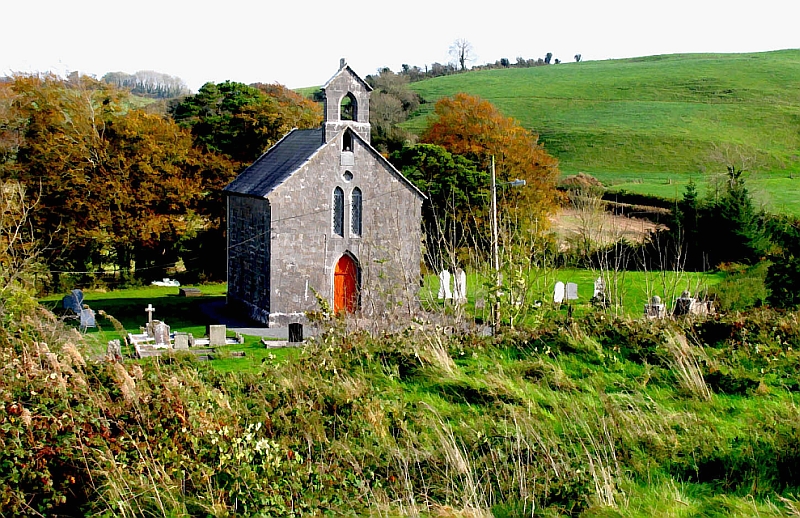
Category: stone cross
[149,309]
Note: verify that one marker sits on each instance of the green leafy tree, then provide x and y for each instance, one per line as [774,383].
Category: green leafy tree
[241,121]
[457,194]
[391,103]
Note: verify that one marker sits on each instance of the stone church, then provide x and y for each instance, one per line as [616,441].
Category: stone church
[322,211]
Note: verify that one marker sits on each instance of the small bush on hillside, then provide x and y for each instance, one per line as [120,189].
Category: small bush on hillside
[743,288]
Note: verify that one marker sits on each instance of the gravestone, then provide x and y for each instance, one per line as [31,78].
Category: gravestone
[114,350]
[599,288]
[181,340]
[216,335]
[444,286]
[460,286]
[161,333]
[295,333]
[683,304]
[87,318]
[480,304]
[572,291]
[558,293]
[73,301]
[655,309]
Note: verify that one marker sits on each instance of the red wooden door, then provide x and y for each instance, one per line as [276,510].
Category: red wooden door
[345,285]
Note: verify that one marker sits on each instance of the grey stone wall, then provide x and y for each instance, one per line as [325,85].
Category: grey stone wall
[249,250]
[305,250]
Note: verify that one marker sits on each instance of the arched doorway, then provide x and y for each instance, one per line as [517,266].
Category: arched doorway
[345,285]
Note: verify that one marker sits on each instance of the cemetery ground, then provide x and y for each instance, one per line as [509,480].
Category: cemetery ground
[186,314]
[632,290]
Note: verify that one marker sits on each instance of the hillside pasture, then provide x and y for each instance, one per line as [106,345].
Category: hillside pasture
[657,114]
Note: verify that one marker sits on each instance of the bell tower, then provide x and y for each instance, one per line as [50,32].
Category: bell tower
[346,103]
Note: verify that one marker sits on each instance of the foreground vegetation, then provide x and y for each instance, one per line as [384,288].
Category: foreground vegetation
[597,416]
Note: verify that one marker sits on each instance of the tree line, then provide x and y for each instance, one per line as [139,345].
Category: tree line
[122,190]
[117,187]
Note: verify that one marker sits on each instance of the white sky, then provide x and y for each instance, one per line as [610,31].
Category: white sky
[299,42]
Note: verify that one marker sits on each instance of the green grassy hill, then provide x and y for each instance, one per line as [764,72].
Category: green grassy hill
[658,114]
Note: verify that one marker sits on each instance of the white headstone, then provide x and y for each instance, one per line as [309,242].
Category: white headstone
[149,309]
[572,291]
[161,333]
[444,286]
[599,288]
[460,286]
[558,293]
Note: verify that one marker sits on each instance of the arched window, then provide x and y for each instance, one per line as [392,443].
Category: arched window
[348,109]
[355,212]
[347,141]
[338,211]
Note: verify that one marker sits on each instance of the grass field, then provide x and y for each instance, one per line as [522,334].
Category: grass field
[778,193]
[658,117]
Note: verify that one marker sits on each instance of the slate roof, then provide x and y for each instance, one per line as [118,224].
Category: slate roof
[286,156]
[277,164]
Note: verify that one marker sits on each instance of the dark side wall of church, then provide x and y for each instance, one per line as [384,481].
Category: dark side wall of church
[249,251]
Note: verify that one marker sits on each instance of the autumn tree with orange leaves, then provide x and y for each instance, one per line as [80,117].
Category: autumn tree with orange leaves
[115,184]
[474,128]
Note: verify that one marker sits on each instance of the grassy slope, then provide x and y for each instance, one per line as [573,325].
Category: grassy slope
[659,114]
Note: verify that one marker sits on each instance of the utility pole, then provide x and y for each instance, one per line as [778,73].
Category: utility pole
[495,255]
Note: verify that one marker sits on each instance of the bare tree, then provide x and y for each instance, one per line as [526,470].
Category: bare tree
[461,50]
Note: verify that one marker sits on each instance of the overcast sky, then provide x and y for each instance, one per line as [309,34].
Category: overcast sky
[298,43]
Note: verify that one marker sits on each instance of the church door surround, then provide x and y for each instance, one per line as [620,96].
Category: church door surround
[345,285]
